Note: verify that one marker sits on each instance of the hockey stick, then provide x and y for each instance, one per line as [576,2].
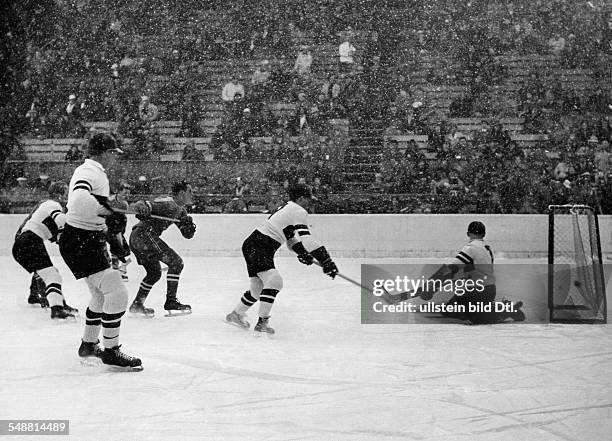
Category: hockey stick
[348,279]
[153,216]
[389,298]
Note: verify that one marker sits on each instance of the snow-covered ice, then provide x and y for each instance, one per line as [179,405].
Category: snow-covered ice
[323,376]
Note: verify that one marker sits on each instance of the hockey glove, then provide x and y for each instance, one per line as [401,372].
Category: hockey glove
[116,222]
[118,246]
[187,227]
[329,267]
[303,256]
[142,208]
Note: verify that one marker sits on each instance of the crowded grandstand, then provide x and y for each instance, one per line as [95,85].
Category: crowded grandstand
[389,106]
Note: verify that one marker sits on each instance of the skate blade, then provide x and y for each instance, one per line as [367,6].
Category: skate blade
[142,316]
[64,320]
[112,368]
[90,361]
[236,325]
[175,313]
[257,334]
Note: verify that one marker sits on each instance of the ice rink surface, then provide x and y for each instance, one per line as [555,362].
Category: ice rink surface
[323,376]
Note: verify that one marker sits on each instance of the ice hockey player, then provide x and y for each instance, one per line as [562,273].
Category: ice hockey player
[45,222]
[476,261]
[83,247]
[149,249]
[288,224]
[119,246]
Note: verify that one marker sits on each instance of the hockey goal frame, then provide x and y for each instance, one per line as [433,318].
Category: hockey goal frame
[599,274]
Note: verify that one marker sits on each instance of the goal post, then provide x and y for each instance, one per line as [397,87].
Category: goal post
[576,286]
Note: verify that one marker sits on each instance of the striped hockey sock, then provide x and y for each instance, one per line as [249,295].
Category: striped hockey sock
[111,322]
[93,321]
[53,293]
[246,301]
[143,292]
[172,281]
[266,300]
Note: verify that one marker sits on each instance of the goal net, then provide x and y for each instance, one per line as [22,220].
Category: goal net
[576,288]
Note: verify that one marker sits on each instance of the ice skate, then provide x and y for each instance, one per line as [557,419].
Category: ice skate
[90,353]
[117,359]
[262,326]
[70,309]
[233,318]
[175,308]
[517,315]
[88,349]
[59,313]
[34,299]
[138,308]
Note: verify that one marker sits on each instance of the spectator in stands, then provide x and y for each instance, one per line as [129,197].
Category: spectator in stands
[190,118]
[346,51]
[236,205]
[278,81]
[142,187]
[33,118]
[303,62]
[556,44]
[230,90]
[147,145]
[261,75]
[259,84]
[74,153]
[190,153]
[300,117]
[498,135]
[147,111]
[72,117]
[22,191]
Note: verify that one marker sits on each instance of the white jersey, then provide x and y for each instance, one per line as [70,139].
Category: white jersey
[477,260]
[46,221]
[290,224]
[89,188]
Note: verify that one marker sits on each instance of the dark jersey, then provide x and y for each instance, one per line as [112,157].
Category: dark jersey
[165,207]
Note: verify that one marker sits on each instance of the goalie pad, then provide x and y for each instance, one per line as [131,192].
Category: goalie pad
[187,227]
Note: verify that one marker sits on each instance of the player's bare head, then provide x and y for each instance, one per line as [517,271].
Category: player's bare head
[103,147]
[182,192]
[477,230]
[301,194]
[58,190]
[124,189]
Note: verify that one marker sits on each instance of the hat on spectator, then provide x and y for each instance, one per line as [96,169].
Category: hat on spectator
[144,98]
[43,176]
[72,97]
[593,138]
[21,178]
[142,178]
[102,142]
